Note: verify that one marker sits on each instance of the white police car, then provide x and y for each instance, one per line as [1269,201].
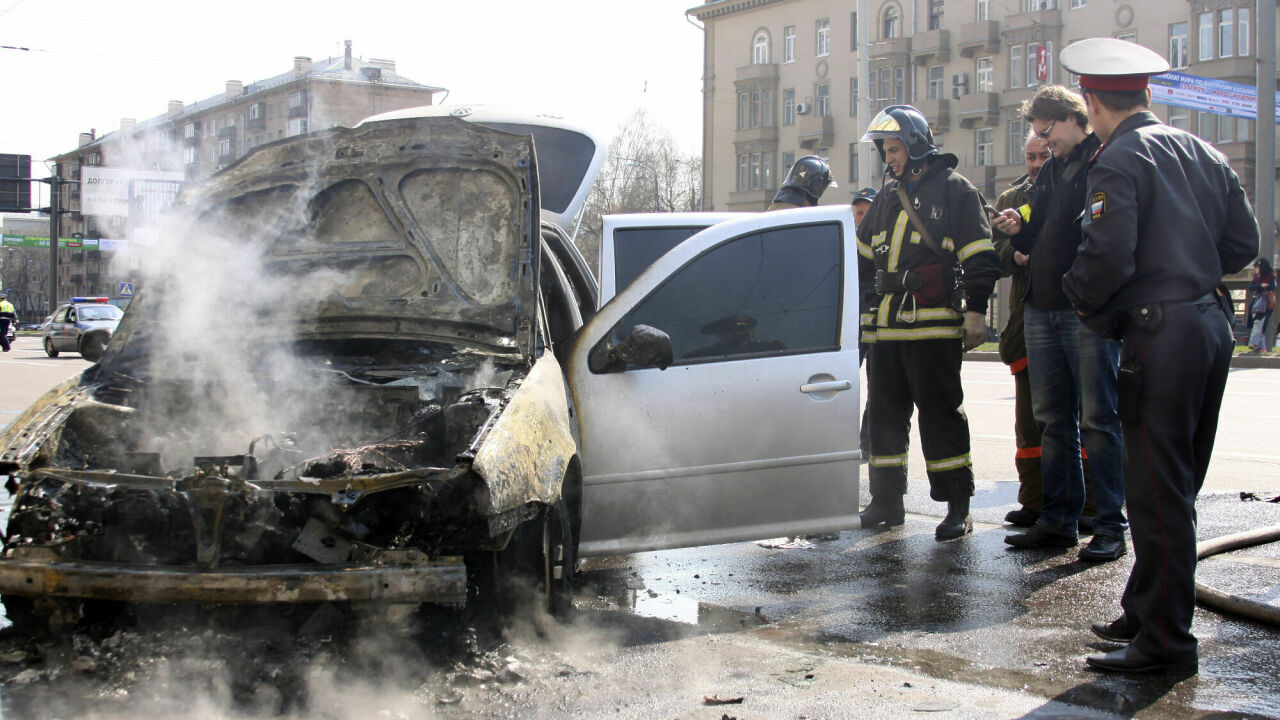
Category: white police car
[84,325]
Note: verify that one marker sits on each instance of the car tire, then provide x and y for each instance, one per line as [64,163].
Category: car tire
[92,346]
[49,349]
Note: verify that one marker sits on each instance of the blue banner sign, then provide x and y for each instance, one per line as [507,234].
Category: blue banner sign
[1207,95]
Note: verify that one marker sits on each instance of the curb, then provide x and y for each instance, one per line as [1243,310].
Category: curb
[1269,360]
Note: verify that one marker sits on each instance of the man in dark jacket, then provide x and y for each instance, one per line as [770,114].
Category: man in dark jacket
[1013,347]
[1072,370]
[922,314]
[1166,219]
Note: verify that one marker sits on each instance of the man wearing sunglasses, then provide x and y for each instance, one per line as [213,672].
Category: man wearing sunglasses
[1072,370]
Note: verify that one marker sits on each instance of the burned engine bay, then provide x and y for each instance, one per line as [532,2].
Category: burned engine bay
[134,475]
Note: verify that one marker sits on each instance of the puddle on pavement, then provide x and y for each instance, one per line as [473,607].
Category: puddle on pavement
[680,609]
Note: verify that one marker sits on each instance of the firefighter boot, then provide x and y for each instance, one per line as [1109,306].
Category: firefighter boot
[883,511]
[957,523]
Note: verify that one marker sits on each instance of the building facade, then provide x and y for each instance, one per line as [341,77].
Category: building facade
[785,78]
[191,141]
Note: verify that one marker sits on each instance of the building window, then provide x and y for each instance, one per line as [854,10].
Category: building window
[937,84]
[1017,141]
[853,163]
[853,96]
[743,104]
[788,159]
[985,78]
[760,49]
[1178,45]
[1242,32]
[224,147]
[744,179]
[1242,129]
[1226,33]
[189,130]
[984,148]
[899,85]
[1204,125]
[297,126]
[789,44]
[882,97]
[822,99]
[1178,117]
[1037,5]
[1015,66]
[853,31]
[789,106]
[755,171]
[1226,128]
[754,113]
[889,29]
[823,43]
[93,159]
[1205,38]
[297,99]
[1033,58]
[190,155]
[935,14]
[255,111]
[766,108]
[1077,4]
[981,7]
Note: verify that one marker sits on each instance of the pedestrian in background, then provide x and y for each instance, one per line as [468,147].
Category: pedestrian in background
[1166,219]
[926,268]
[7,315]
[1013,347]
[1262,303]
[1072,370]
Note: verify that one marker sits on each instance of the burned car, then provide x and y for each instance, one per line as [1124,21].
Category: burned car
[425,392]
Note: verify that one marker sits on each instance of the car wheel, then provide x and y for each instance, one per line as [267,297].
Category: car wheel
[92,347]
[49,349]
[559,558]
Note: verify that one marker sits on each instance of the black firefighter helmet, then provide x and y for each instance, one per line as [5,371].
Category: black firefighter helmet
[811,176]
[903,123]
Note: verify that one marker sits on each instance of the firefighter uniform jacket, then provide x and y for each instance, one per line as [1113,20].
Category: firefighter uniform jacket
[951,209]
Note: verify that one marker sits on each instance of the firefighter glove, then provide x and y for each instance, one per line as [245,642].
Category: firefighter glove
[975,330]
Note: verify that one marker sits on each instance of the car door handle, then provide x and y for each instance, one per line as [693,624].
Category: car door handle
[830,386]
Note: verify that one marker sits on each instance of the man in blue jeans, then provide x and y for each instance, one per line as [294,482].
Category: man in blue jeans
[1073,370]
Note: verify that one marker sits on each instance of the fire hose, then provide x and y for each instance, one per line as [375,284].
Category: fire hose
[1224,602]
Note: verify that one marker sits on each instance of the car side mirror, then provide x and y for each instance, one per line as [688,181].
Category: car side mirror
[644,347]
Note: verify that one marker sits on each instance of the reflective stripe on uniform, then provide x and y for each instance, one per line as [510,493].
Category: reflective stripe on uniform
[951,463]
[865,251]
[895,242]
[882,315]
[938,313]
[974,248]
[888,460]
[920,333]
[948,244]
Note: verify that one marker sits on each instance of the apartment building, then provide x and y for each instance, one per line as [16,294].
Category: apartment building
[785,78]
[191,141]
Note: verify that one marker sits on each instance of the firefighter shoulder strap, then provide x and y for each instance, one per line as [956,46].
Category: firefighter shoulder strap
[919,226]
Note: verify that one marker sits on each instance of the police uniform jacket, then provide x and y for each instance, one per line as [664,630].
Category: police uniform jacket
[1166,219]
[1013,345]
[1052,236]
[951,209]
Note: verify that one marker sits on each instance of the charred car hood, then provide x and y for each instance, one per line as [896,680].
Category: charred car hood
[421,228]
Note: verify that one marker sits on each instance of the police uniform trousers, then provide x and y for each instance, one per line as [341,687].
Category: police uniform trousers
[923,375]
[1183,364]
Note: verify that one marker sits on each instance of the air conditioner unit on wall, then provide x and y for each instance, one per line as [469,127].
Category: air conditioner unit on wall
[802,108]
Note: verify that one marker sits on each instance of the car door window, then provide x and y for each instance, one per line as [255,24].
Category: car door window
[71,315]
[769,293]
[635,249]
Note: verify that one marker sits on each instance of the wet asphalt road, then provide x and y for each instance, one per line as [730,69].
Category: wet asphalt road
[870,624]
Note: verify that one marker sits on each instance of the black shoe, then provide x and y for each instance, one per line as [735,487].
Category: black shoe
[1129,659]
[1040,536]
[957,523]
[883,511]
[1103,548]
[1022,517]
[1119,630]
[1085,524]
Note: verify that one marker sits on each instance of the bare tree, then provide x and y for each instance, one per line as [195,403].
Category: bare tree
[644,172]
[25,274]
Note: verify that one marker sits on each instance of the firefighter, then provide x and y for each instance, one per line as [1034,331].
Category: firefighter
[808,178]
[926,268]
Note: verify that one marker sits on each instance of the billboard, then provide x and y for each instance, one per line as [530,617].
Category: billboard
[1207,95]
[105,191]
[15,183]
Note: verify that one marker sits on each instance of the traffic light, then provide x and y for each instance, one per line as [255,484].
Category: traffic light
[15,183]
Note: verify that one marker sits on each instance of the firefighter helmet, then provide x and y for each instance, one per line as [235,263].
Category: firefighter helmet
[905,124]
[810,175]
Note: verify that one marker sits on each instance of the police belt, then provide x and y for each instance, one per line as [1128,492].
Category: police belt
[892,282]
[1149,317]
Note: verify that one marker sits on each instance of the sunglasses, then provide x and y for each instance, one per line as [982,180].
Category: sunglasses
[1044,134]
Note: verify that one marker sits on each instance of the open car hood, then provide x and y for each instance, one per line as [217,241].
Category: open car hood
[420,228]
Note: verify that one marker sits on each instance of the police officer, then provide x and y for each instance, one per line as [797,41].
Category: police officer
[862,202]
[1165,220]
[7,315]
[926,267]
[808,178]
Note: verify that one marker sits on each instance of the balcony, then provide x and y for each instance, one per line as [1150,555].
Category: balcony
[748,74]
[1037,21]
[891,49]
[983,177]
[1234,69]
[979,38]
[750,200]
[298,112]
[227,132]
[937,112]
[756,135]
[1014,97]
[931,48]
[977,110]
[253,124]
[814,132]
